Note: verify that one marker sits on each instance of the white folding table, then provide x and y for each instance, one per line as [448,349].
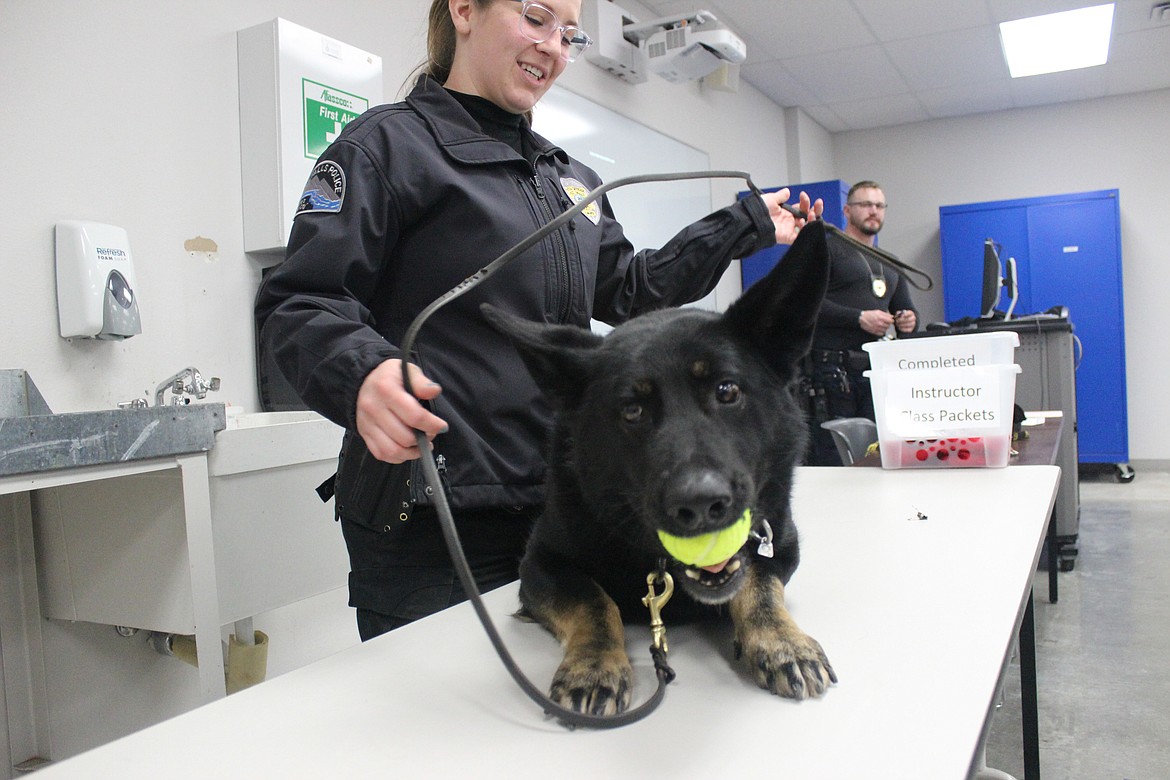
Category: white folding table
[918,634]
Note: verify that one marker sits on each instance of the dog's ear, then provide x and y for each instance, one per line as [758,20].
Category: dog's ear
[557,356]
[777,314]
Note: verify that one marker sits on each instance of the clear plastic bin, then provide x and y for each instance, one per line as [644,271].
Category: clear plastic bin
[945,418]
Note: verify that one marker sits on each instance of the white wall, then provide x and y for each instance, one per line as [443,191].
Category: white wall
[1117,142]
[810,148]
[125,111]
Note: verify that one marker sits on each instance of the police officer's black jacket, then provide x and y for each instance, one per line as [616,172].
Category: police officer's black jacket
[426,199]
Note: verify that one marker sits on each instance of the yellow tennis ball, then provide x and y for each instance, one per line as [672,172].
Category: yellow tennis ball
[709,549]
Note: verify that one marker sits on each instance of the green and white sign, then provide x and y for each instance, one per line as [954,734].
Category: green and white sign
[327,111]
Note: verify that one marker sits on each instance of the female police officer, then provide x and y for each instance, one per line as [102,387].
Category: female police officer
[411,199]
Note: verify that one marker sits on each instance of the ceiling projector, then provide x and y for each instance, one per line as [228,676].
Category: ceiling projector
[686,48]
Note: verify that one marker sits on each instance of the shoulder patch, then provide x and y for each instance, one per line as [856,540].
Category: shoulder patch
[577,192]
[325,189]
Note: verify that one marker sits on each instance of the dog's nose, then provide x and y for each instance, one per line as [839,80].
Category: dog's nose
[698,500]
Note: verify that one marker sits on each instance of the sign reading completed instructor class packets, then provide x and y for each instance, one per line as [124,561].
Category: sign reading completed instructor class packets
[947,385]
[935,403]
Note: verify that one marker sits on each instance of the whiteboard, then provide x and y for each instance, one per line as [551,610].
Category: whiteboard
[616,146]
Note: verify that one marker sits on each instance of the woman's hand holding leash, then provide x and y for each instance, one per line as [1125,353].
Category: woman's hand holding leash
[788,219]
[388,416]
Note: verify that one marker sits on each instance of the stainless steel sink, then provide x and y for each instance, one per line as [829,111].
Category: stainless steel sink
[34,439]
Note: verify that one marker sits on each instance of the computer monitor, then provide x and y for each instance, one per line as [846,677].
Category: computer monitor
[996,276]
[1011,282]
[992,279]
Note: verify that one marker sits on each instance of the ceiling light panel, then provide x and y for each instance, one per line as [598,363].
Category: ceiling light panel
[1056,42]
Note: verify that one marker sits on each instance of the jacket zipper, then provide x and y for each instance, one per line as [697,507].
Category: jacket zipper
[562,296]
[441,467]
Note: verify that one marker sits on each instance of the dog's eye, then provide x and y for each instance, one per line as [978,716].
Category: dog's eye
[632,413]
[727,393]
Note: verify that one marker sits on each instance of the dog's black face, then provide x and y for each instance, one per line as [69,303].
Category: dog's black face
[678,426]
[677,421]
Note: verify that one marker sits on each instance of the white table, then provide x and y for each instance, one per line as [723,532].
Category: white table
[918,634]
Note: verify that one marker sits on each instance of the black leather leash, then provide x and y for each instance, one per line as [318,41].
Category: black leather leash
[877,252]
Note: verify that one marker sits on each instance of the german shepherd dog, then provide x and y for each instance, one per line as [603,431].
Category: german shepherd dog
[678,420]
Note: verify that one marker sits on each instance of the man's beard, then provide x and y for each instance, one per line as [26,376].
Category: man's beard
[866,230]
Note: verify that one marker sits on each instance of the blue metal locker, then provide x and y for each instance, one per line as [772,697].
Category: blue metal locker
[1068,253]
[833,192]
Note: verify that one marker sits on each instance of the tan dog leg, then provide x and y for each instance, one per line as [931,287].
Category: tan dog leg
[595,675]
[783,658]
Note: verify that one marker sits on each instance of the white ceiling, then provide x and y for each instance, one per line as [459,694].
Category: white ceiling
[856,64]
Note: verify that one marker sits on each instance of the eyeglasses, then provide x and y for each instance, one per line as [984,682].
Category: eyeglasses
[538,24]
[866,205]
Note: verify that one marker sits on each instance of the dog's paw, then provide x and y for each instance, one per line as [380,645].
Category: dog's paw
[792,665]
[594,684]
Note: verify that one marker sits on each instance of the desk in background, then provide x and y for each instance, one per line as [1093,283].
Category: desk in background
[1047,380]
[919,645]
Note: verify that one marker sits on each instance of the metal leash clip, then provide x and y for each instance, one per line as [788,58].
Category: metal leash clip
[655,602]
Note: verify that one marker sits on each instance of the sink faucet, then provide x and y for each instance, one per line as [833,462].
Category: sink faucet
[187,382]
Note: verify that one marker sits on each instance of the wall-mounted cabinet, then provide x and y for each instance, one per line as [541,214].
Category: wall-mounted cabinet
[298,89]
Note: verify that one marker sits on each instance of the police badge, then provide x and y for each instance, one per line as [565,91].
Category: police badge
[577,192]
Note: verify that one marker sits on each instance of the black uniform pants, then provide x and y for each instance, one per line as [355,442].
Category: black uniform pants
[403,573]
[846,393]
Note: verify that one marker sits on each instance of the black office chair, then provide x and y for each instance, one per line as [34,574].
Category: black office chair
[853,437]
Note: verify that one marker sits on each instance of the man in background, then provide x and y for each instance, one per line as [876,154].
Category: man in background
[865,301]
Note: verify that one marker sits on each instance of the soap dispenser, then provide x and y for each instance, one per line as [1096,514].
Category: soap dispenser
[95,282]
